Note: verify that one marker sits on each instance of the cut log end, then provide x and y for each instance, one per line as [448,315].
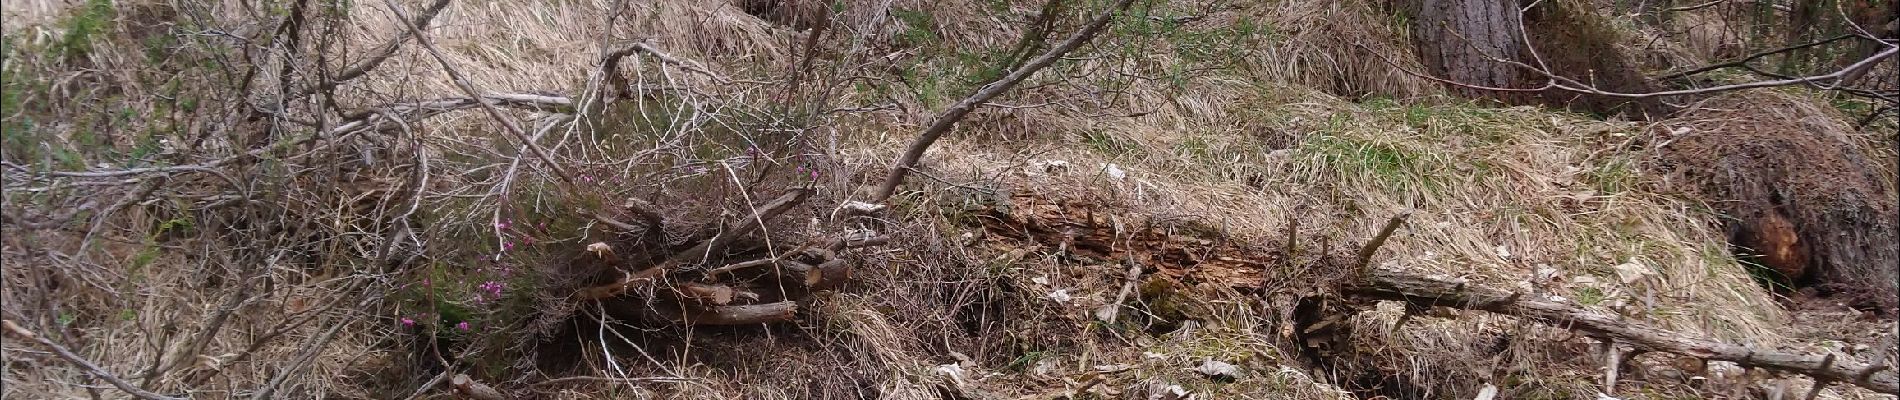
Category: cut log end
[468,388]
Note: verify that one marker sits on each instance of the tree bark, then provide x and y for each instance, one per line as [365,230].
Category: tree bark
[1460,40]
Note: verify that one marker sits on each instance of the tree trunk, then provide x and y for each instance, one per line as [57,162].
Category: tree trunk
[1460,40]
[1475,42]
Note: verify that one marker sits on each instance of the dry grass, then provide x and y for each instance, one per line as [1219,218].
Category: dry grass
[1242,129]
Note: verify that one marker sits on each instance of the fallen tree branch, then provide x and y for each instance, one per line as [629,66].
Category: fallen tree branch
[374,119]
[1109,311]
[626,283]
[1751,57]
[611,61]
[1428,291]
[63,352]
[730,315]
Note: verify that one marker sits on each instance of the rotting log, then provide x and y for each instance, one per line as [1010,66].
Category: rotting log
[1424,291]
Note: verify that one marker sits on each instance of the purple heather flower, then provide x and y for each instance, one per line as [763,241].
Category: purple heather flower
[408,322]
[463,326]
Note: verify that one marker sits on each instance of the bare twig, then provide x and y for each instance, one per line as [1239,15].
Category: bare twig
[18,331]
[461,82]
[611,60]
[1744,60]
[1108,312]
[310,351]
[949,118]
[382,53]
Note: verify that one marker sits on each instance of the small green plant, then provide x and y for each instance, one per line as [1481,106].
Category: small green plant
[1589,296]
[84,26]
[1386,162]
[921,28]
[1106,143]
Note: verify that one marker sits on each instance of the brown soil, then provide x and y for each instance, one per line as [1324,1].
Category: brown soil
[1799,193]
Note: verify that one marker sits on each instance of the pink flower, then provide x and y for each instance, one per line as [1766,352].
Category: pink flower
[463,326]
[503,225]
[493,288]
[408,322]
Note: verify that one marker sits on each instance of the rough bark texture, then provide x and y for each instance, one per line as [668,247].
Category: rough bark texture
[1460,40]
[1475,42]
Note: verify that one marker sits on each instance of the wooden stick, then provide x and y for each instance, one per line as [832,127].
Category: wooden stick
[1108,312]
[1364,261]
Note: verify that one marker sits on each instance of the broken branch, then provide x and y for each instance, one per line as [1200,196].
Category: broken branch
[731,315]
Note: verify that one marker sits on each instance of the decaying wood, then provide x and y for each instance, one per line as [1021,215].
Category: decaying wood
[470,389]
[1428,291]
[728,315]
[828,275]
[704,293]
[626,283]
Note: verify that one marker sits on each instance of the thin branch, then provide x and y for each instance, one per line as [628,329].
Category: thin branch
[63,352]
[955,113]
[382,53]
[461,82]
[1695,7]
[611,60]
[1745,60]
